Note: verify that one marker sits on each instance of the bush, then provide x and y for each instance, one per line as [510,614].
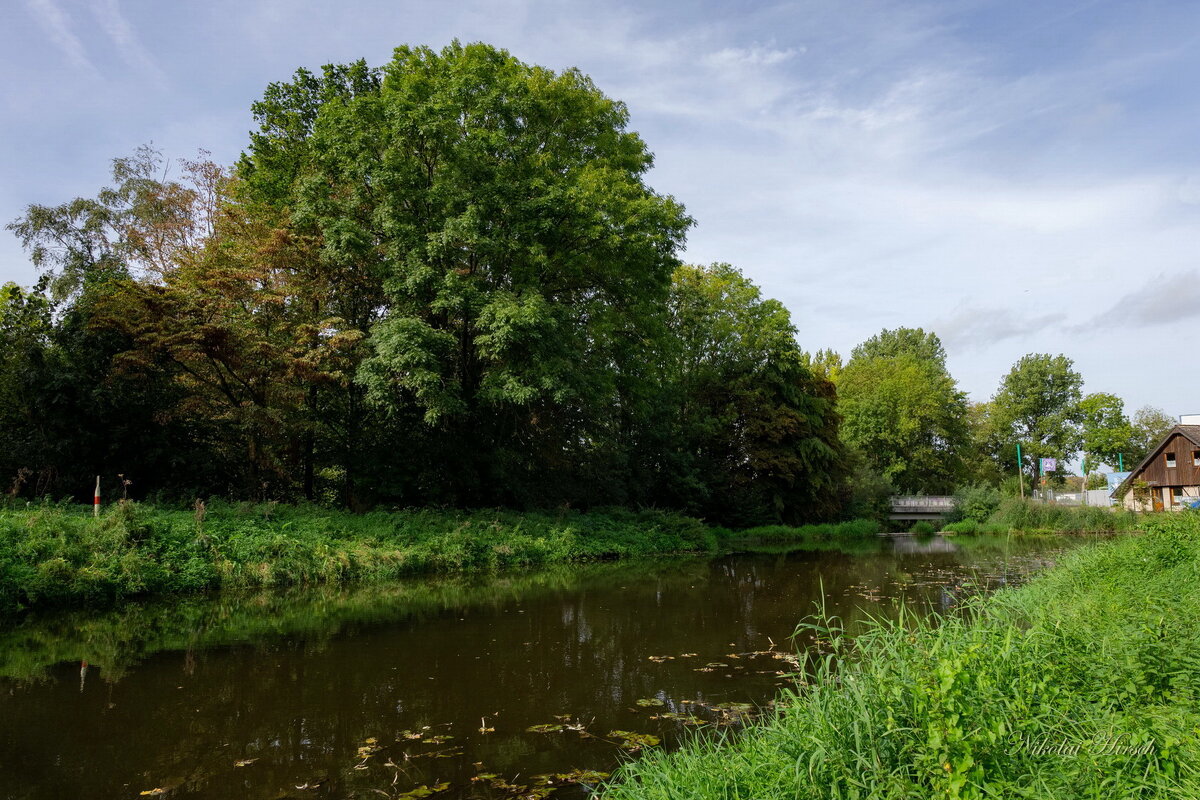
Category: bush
[975,502]
[966,526]
[923,528]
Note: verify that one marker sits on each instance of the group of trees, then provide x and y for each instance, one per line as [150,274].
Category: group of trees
[912,429]
[444,281]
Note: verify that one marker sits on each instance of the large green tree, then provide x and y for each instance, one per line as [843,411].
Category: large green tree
[755,433]
[1107,432]
[1038,406]
[503,209]
[904,415]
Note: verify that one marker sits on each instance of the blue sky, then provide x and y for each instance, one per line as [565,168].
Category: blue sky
[1019,177]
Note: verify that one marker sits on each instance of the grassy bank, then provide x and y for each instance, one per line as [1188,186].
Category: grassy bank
[828,531]
[1025,516]
[59,556]
[1084,683]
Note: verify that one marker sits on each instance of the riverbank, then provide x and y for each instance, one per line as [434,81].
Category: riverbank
[1018,515]
[60,556]
[1084,683]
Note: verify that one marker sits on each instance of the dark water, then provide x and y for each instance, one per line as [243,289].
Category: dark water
[381,691]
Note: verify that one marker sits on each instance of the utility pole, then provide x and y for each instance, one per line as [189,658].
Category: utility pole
[1020,471]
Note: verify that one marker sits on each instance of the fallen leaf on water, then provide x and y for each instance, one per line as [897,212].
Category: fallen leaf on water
[154,792]
[245,762]
[581,776]
[650,701]
[546,727]
[424,790]
[686,719]
[633,741]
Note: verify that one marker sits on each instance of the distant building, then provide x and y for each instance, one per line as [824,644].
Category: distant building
[1171,472]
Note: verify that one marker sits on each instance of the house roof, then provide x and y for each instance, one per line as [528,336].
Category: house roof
[1189,432]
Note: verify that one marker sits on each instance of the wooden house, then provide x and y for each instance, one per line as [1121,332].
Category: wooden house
[1171,473]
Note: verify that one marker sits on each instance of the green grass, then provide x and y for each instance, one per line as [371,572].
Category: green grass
[970,526]
[1015,515]
[59,556]
[1023,515]
[830,531]
[1083,684]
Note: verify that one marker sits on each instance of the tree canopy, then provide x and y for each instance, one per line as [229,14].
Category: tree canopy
[1038,406]
[441,281]
[903,412]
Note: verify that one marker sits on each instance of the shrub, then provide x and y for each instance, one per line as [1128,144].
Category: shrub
[923,528]
[975,502]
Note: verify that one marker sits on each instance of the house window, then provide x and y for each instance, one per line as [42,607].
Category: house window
[1176,495]
[1196,458]
[1170,460]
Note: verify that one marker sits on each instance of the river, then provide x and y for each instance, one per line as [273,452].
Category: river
[520,684]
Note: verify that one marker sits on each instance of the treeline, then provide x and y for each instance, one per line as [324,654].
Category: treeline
[440,282]
[446,282]
[913,430]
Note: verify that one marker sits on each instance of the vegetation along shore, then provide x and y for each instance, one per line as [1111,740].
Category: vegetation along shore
[1083,683]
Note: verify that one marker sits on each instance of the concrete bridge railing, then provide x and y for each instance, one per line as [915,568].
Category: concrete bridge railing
[917,507]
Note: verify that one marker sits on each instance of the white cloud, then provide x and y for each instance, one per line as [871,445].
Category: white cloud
[756,56]
[57,25]
[108,14]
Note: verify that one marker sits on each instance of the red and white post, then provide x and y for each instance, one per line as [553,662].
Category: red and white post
[96,499]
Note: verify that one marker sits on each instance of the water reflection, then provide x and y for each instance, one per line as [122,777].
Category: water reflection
[337,693]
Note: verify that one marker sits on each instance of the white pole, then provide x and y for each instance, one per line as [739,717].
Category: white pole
[96,499]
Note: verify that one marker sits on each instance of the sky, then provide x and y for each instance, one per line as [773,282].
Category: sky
[1017,177]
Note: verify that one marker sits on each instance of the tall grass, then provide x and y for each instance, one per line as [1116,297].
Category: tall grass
[853,529]
[57,555]
[1024,515]
[1083,684]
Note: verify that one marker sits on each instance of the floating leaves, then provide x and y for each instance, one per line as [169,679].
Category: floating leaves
[245,762]
[154,792]
[581,776]
[646,702]
[539,786]
[423,790]
[686,719]
[546,727]
[633,741]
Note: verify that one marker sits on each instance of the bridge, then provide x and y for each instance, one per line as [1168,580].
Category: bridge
[917,507]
